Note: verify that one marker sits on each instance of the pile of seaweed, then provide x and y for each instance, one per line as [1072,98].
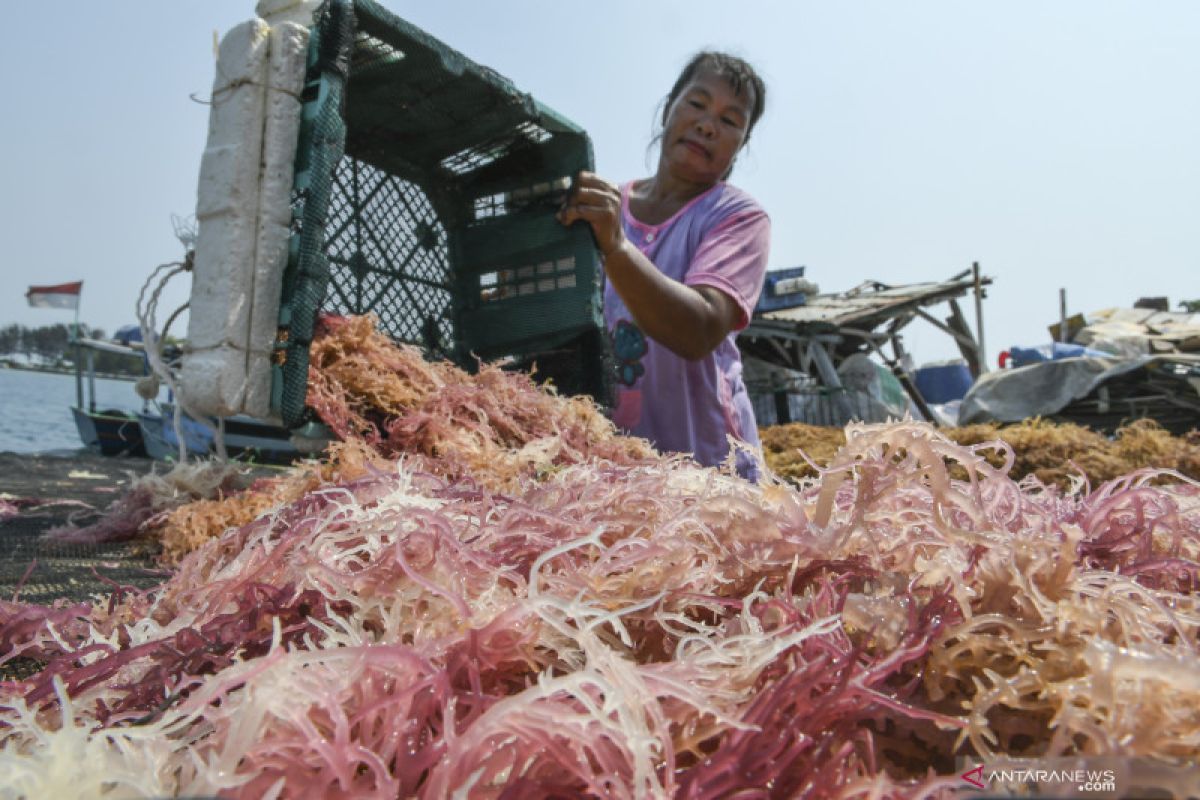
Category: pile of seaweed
[1055,453]
[485,591]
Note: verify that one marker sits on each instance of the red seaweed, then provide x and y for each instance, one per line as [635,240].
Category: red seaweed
[578,622]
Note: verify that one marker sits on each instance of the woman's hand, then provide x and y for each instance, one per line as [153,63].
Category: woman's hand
[688,321]
[597,202]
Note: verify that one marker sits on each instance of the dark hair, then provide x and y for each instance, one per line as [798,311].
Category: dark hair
[733,69]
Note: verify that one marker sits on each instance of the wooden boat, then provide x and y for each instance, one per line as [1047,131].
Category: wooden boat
[112,431]
[151,431]
[245,438]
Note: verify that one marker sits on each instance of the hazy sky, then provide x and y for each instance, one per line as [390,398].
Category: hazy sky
[1057,143]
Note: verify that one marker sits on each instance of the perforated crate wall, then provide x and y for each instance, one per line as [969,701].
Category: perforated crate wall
[425,192]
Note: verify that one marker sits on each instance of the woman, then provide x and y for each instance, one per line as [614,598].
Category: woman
[684,257]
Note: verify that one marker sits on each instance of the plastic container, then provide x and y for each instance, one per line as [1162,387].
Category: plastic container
[784,288]
[945,382]
[425,192]
[1023,356]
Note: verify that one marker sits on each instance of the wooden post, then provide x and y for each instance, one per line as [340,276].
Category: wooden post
[907,383]
[1062,315]
[983,364]
[91,376]
[957,324]
[78,375]
[78,359]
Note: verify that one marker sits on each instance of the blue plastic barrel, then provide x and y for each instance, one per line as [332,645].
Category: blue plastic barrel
[942,383]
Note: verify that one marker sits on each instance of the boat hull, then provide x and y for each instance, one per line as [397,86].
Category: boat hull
[110,432]
[245,438]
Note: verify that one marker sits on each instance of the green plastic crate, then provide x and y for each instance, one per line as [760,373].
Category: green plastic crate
[425,192]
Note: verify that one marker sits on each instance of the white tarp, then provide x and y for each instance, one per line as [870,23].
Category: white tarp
[1038,389]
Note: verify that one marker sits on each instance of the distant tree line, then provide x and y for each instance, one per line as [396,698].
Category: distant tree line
[51,344]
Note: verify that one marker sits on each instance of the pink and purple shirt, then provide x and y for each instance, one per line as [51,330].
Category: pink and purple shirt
[719,239]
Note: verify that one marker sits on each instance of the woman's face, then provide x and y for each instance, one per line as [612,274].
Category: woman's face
[705,128]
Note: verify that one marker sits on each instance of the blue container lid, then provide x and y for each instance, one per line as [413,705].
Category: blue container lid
[943,383]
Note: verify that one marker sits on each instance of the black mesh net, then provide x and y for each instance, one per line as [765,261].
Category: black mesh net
[35,570]
[388,255]
[57,570]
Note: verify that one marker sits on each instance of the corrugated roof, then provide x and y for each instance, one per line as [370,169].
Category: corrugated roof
[868,304]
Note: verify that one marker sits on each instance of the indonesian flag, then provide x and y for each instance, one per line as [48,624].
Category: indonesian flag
[64,295]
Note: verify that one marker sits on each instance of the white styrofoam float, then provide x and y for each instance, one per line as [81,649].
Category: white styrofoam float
[243,212]
[277,11]
[285,79]
[213,379]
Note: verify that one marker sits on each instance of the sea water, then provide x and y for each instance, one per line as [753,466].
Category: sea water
[35,409]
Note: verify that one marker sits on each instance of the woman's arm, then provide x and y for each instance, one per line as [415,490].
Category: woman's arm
[688,321]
